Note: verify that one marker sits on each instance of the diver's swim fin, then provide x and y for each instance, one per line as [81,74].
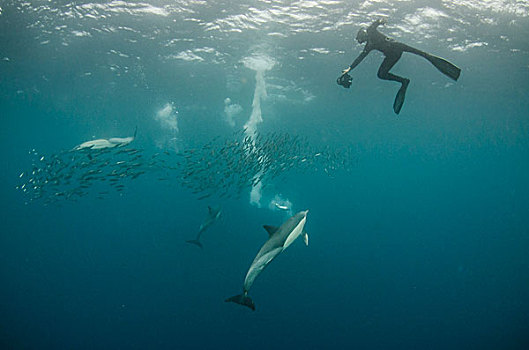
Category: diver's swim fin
[445,67]
[195,242]
[399,99]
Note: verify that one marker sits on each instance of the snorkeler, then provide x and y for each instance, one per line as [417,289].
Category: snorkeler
[393,51]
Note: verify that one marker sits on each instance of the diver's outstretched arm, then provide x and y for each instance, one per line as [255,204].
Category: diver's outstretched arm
[356,62]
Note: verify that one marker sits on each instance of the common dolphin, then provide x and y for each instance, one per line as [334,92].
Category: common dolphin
[279,240]
[213,215]
[282,207]
[104,143]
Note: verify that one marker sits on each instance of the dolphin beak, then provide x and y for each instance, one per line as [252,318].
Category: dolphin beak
[305,212]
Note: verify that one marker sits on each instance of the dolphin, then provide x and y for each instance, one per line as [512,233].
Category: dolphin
[279,240]
[104,143]
[282,207]
[213,215]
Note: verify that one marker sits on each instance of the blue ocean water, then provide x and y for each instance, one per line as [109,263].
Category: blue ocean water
[420,242]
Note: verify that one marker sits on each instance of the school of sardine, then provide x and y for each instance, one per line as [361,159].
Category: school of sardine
[222,168]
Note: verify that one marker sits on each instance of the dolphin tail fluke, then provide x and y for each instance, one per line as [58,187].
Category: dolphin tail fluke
[195,242]
[242,299]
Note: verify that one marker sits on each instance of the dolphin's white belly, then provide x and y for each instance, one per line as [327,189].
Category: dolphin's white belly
[295,233]
[121,141]
[96,144]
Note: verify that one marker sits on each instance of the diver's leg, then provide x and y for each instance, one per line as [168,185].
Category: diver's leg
[383,73]
[388,63]
[449,69]
[406,48]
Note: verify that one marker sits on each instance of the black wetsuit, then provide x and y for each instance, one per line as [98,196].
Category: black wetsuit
[392,51]
[390,48]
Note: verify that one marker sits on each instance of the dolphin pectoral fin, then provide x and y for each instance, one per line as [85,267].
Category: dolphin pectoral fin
[195,242]
[242,299]
[306,238]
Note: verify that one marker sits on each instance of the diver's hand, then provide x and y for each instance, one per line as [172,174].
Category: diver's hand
[382,21]
[346,70]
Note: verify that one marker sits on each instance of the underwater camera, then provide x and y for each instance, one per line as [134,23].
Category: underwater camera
[344,80]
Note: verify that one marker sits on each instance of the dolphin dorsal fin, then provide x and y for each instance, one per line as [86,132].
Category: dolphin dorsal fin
[270,229]
[210,210]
